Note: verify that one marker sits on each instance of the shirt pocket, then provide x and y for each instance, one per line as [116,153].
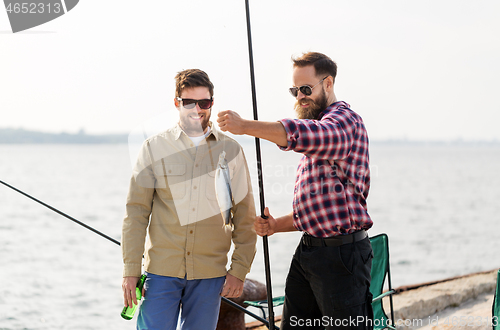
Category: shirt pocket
[171,179]
[210,181]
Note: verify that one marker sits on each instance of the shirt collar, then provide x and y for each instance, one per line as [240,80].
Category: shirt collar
[177,130]
[332,107]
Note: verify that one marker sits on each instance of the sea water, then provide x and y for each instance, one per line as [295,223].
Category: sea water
[438,203]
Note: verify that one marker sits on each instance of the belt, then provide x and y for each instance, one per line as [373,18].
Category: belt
[309,240]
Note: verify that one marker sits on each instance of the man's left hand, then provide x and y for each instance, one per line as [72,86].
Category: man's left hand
[233,287]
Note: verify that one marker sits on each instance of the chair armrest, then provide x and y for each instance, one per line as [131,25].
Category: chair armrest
[385,294]
[277,301]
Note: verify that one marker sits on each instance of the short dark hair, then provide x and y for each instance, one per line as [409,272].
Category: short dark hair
[192,78]
[322,63]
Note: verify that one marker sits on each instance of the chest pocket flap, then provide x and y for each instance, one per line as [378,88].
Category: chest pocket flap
[170,169]
[171,180]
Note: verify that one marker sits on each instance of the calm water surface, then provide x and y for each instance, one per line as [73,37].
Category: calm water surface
[437,203]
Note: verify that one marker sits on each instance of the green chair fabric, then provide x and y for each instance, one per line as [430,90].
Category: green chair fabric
[262,304]
[379,272]
[495,313]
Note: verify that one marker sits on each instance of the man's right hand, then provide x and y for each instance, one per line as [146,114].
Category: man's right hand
[231,121]
[129,296]
[265,227]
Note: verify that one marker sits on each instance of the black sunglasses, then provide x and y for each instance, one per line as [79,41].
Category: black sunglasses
[306,90]
[191,103]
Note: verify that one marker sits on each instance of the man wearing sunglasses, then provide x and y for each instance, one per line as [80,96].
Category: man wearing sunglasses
[172,198]
[328,284]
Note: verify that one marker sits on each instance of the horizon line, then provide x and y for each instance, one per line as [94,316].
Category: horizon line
[83,132]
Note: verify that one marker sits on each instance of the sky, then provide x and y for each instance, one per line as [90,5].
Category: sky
[418,70]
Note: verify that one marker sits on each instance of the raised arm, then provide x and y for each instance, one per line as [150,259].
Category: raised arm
[272,131]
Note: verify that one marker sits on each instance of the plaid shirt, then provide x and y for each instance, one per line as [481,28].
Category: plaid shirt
[333,176]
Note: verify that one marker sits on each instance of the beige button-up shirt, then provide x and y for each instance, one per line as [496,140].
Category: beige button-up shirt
[172,200]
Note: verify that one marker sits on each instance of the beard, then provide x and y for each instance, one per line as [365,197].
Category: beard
[194,128]
[314,109]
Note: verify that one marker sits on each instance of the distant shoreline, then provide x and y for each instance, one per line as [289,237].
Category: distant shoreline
[22,136]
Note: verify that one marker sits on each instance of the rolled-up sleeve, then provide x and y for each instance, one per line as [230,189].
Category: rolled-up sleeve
[331,137]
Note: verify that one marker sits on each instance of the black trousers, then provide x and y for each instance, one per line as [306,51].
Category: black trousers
[329,288]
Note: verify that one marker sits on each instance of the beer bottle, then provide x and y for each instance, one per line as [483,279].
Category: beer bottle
[128,312]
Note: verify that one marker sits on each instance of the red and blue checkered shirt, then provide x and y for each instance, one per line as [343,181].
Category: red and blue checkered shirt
[333,176]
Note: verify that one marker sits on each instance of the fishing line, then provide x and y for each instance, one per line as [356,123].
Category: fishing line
[233,304]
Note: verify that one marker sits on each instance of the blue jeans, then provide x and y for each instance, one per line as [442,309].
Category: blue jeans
[198,301]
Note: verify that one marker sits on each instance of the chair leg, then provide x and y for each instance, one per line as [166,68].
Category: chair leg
[263,312]
[390,288]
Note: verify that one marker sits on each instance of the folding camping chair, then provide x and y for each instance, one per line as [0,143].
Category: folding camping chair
[495,310]
[380,270]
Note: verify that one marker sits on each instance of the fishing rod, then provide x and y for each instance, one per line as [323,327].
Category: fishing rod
[227,301]
[62,213]
[267,264]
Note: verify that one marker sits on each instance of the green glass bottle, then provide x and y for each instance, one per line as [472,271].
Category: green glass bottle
[128,312]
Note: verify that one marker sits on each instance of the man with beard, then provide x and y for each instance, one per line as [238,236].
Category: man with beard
[328,284]
[172,198]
